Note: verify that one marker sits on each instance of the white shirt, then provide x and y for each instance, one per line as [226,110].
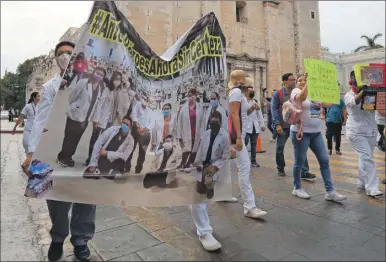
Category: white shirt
[255,119]
[359,122]
[50,90]
[235,95]
[310,116]
[380,119]
[143,116]
[29,111]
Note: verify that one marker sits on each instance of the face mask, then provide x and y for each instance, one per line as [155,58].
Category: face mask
[98,77]
[63,60]
[251,95]
[215,127]
[213,103]
[131,93]
[116,83]
[165,112]
[125,128]
[167,146]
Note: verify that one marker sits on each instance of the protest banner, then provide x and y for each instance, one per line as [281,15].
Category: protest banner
[370,74]
[322,81]
[132,128]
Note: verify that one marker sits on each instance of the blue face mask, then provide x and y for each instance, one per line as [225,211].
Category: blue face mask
[165,112]
[125,128]
[213,103]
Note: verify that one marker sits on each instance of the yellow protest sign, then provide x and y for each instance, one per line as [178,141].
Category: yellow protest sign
[322,81]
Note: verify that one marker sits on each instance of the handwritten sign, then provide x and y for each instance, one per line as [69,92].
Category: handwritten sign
[381,100]
[322,81]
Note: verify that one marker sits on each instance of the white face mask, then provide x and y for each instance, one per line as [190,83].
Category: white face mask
[116,83]
[131,93]
[167,146]
[63,60]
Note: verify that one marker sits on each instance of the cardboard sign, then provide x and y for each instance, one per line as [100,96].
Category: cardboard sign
[322,81]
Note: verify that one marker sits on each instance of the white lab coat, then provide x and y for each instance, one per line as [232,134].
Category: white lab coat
[104,108]
[254,119]
[362,133]
[224,118]
[103,141]
[144,117]
[29,112]
[220,150]
[122,103]
[158,130]
[183,127]
[47,98]
[159,155]
[80,101]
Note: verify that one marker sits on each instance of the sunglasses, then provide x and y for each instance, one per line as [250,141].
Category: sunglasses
[64,52]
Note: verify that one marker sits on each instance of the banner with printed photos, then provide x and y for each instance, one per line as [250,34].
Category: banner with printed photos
[131,128]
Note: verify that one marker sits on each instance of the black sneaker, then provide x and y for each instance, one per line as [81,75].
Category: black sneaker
[330,152]
[55,252]
[308,176]
[254,164]
[61,163]
[281,173]
[71,163]
[338,152]
[82,253]
[384,181]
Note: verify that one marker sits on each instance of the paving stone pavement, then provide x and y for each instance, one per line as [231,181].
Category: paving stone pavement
[293,230]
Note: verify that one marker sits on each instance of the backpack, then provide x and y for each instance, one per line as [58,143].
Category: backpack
[291,114]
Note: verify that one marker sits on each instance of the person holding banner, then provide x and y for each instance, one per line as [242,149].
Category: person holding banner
[309,135]
[188,129]
[83,215]
[212,154]
[215,106]
[81,109]
[238,107]
[361,129]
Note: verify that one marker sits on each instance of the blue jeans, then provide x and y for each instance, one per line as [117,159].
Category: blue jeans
[314,141]
[280,144]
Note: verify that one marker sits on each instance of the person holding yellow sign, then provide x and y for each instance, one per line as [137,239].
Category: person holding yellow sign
[361,129]
[311,127]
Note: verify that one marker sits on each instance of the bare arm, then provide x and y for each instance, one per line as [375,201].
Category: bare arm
[235,108]
[302,96]
[382,112]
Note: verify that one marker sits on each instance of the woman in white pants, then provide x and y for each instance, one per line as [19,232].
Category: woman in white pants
[28,113]
[361,129]
[238,107]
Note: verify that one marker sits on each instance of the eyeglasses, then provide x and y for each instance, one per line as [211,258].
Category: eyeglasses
[213,98]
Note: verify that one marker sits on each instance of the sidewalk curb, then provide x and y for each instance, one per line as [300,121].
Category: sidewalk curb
[10,131]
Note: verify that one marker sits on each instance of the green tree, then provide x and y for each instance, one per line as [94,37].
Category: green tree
[13,85]
[370,43]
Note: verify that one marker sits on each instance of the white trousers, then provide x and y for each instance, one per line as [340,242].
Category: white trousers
[26,135]
[244,166]
[201,218]
[367,176]
[200,211]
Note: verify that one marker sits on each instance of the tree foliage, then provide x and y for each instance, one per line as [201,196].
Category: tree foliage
[370,43]
[13,85]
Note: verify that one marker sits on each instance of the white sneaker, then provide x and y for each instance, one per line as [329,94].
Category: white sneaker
[272,140]
[375,193]
[300,193]
[255,213]
[232,200]
[209,243]
[187,170]
[334,196]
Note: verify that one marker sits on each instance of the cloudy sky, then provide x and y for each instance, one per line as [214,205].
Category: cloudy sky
[29,29]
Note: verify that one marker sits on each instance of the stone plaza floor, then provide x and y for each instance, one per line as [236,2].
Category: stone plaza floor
[293,230]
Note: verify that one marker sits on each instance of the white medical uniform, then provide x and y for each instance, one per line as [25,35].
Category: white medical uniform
[361,130]
[29,112]
[220,155]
